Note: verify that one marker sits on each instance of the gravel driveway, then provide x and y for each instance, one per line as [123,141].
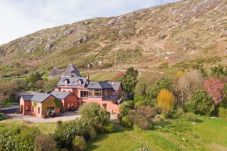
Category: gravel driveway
[67,116]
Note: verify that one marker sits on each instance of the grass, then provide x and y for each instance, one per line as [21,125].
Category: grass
[207,134]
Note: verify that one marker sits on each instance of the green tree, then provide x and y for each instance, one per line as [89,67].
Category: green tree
[44,143]
[129,80]
[201,103]
[140,89]
[163,83]
[95,115]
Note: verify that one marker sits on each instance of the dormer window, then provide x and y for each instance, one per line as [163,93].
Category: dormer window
[66,81]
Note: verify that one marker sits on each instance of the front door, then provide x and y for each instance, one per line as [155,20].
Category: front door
[50,111]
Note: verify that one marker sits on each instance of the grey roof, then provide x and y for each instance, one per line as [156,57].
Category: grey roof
[60,94]
[71,71]
[54,72]
[104,85]
[27,97]
[40,97]
[73,81]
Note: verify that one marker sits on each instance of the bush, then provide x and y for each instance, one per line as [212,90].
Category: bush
[142,116]
[163,83]
[66,132]
[125,107]
[190,117]
[18,139]
[222,113]
[201,103]
[140,88]
[165,100]
[79,143]
[95,115]
[44,143]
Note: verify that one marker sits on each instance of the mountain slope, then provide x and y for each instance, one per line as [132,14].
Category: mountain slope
[184,34]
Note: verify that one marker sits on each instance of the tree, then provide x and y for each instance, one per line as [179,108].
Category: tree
[163,83]
[215,88]
[79,143]
[44,143]
[218,71]
[95,115]
[129,80]
[123,117]
[33,80]
[187,84]
[165,100]
[140,88]
[201,103]
[142,116]
[66,132]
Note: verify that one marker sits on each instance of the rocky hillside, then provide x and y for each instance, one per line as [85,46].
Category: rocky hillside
[185,34]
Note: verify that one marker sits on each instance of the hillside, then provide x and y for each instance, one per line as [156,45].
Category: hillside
[185,34]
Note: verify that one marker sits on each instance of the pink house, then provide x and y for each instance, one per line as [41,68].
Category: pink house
[106,93]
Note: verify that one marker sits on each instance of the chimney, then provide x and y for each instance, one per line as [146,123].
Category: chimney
[88,77]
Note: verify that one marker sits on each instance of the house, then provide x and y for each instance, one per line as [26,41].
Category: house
[40,105]
[69,100]
[106,93]
[55,72]
[71,91]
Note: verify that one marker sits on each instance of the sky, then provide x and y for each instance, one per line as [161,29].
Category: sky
[21,17]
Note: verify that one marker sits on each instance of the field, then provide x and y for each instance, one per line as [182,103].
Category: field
[207,134]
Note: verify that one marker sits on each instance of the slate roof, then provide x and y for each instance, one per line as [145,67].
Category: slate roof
[73,81]
[104,85]
[40,97]
[60,94]
[27,97]
[71,71]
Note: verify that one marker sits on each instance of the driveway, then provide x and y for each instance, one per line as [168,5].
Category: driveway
[10,110]
[67,116]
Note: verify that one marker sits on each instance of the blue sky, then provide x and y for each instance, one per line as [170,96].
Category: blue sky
[22,17]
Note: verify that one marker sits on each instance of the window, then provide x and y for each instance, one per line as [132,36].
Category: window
[27,108]
[38,110]
[83,93]
[98,93]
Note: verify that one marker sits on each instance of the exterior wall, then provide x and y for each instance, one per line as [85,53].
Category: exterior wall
[24,105]
[40,109]
[108,105]
[71,99]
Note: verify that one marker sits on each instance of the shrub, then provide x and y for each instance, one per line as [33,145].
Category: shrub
[142,116]
[215,88]
[165,100]
[44,143]
[95,115]
[222,113]
[140,88]
[18,139]
[125,107]
[201,103]
[190,117]
[66,132]
[79,143]
[163,83]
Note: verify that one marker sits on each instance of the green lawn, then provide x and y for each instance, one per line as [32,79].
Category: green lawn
[207,135]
